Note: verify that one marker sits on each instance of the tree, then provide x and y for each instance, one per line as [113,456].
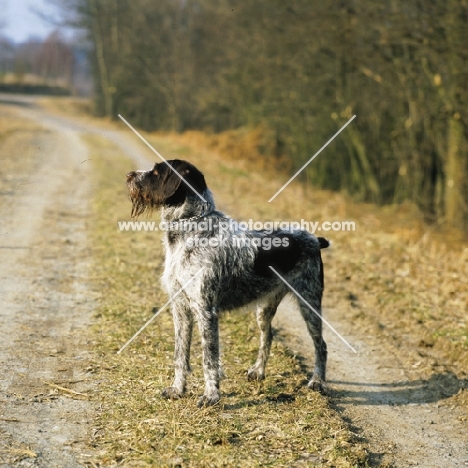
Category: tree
[300,69]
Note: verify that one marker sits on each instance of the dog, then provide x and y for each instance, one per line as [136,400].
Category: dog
[223,267]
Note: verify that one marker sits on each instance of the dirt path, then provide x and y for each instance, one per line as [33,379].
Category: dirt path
[46,306]
[45,300]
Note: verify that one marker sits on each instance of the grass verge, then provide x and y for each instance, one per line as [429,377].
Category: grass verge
[276,423]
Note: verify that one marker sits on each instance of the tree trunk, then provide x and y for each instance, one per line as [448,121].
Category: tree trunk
[454,206]
[100,57]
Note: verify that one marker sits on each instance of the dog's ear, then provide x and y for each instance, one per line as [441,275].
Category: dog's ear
[193,176]
[170,181]
[176,189]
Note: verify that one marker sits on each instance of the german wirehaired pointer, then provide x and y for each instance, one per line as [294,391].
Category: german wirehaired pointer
[224,267]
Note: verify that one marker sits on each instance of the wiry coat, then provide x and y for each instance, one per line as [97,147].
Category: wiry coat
[224,267]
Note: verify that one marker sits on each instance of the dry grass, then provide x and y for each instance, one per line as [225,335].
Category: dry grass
[70,106]
[277,423]
[253,148]
[12,453]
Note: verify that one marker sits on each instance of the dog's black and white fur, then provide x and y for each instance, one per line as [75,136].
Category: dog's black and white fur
[236,272]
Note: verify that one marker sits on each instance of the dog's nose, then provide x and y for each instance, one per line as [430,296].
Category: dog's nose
[131,175]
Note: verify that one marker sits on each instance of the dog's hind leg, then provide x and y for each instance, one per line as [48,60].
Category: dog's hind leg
[314,327]
[183,327]
[265,314]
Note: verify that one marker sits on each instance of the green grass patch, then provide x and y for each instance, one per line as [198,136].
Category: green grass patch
[276,423]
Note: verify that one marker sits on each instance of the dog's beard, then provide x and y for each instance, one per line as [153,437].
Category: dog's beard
[142,202]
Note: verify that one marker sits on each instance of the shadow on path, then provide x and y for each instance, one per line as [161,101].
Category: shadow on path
[438,387]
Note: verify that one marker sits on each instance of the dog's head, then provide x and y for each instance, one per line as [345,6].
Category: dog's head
[167,184]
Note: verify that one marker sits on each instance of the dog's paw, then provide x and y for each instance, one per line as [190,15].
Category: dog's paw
[172,393]
[316,384]
[255,374]
[208,400]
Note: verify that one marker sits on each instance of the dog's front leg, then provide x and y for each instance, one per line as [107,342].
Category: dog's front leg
[183,326]
[209,331]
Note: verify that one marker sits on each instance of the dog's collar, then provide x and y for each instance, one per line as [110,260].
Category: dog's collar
[180,222]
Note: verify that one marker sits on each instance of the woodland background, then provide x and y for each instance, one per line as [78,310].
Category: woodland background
[297,71]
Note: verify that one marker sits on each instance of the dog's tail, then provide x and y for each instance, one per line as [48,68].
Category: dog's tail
[324,243]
